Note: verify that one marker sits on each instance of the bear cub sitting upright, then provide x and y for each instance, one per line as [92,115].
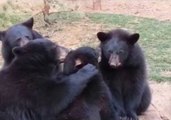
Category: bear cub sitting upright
[124,70]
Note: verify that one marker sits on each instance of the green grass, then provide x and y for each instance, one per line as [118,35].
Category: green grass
[155,40]
[11,14]
[7,20]
[155,36]
[65,16]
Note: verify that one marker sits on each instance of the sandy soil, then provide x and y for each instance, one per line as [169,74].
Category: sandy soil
[158,9]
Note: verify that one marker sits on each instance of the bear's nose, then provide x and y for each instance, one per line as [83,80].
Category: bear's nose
[117,52]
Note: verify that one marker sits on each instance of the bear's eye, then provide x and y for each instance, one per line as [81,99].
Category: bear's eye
[27,37]
[121,52]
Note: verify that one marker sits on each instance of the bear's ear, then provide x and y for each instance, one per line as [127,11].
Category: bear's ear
[102,36]
[133,38]
[17,51]
[29,23]
[2,35]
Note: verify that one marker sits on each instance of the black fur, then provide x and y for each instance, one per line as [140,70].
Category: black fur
[16,35]
[95,102]
[29,88]
[124,70]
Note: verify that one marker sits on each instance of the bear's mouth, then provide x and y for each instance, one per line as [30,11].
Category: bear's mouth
[79,64]
[114,61]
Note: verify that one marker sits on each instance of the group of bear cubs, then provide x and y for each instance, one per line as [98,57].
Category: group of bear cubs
[33,86]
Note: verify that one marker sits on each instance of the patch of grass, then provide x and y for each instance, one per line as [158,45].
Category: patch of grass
[155,40]
[11,14]
[111,19]
[65,17]
[7,20]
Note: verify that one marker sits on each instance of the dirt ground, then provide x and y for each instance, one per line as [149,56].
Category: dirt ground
[160,108]
[158,9]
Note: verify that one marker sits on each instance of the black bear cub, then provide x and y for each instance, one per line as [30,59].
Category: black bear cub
[16,35]
[124,70]
[29,89]
[95,102]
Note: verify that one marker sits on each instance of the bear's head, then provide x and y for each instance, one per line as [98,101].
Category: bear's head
[80,57]
[16,35]
[116,46]
[39,53]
